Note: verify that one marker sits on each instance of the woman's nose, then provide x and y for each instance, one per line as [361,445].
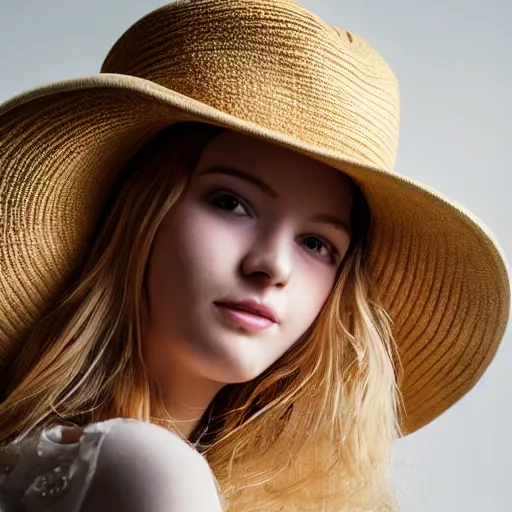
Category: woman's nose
[269,259]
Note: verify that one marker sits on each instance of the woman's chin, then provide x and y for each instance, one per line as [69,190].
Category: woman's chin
[236,370]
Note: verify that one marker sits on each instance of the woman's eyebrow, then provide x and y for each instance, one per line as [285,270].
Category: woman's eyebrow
[237,173]
[333,221]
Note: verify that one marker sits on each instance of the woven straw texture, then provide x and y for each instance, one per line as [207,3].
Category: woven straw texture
[271,69]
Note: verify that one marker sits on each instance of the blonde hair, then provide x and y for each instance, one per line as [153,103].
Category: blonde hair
[313,432]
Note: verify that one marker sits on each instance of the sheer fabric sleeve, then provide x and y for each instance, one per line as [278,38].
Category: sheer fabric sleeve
[40,474]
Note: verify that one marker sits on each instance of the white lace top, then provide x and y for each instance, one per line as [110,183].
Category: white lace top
[40,474]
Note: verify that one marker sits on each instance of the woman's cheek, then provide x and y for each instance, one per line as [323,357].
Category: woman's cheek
[312,285]
[214,239]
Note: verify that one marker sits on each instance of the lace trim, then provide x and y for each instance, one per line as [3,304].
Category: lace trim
[41,474]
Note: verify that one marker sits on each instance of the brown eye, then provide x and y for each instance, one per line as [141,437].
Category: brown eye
[318,246]
[314,244]
[227,202]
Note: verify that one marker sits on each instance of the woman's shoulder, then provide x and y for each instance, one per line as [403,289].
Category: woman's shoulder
[115,464]
[144,467]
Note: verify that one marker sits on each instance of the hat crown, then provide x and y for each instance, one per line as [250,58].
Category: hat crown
[273,63]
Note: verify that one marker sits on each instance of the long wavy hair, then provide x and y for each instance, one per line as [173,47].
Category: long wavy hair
[312,433]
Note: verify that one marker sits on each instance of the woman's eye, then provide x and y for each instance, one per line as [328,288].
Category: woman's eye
[228,202]
[323,249]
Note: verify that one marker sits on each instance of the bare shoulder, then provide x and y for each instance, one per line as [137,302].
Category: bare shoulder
[143,467]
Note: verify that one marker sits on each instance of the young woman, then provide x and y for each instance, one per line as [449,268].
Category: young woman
[216,293]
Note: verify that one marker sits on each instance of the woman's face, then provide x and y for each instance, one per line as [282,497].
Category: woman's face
[240,269]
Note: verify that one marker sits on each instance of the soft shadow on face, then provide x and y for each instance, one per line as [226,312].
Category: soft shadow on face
[259,228]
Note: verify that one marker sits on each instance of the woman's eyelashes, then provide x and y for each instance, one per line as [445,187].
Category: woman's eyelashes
[324,249]
[231,203]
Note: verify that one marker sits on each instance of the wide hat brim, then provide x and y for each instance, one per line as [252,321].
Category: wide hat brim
[439,271]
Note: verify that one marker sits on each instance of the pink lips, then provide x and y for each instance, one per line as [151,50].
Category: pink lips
[248,314]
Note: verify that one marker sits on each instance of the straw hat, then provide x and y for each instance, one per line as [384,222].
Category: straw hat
[271,69]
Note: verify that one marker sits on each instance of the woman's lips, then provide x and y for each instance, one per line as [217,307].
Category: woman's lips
[246,319]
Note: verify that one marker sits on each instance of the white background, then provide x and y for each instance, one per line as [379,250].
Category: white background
[453,61]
